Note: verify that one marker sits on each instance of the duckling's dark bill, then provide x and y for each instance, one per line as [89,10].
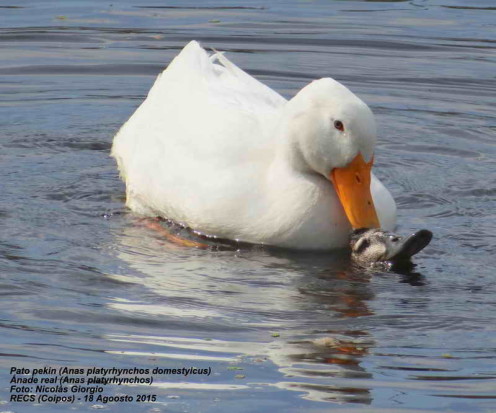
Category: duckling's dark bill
[411,245]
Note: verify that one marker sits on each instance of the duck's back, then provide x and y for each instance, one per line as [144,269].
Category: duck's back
[200,142]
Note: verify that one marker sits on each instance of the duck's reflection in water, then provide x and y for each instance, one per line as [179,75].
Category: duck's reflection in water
[327,361]
[306,313]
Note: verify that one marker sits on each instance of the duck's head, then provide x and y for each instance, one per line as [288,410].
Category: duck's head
[334,134]
[369,246]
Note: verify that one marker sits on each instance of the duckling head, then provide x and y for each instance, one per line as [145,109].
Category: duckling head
[370,246]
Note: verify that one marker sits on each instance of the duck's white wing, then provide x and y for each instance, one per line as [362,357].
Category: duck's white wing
[200,142]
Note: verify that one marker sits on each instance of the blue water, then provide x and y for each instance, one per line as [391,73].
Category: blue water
[85,283]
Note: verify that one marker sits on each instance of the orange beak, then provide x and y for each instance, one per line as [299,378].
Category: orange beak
[352,184]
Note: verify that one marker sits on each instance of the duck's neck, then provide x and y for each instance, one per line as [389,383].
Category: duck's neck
[288,156]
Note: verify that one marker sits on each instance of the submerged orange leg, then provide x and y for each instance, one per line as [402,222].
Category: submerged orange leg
[174,239]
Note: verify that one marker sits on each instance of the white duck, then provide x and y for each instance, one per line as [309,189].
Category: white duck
[214,149]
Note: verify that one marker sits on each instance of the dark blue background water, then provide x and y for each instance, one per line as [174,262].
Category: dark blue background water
[84,283]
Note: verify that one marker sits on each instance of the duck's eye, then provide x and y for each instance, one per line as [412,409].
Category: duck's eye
[394,238]
[339,125]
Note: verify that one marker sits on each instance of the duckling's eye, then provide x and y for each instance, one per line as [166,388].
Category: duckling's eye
[362,245]
[339,125]
[394,238]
